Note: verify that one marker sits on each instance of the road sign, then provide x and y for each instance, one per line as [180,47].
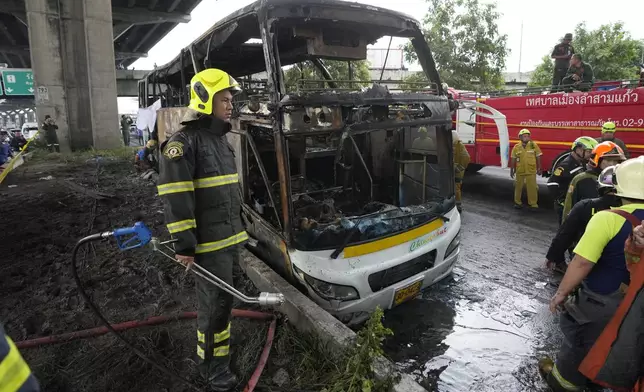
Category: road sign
[18,81]
[43,94]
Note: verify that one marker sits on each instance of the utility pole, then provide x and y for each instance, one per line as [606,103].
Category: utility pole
[520,49]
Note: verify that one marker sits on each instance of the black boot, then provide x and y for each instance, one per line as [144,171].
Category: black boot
[223,381]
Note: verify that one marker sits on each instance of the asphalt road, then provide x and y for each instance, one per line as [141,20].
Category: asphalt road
[484,328]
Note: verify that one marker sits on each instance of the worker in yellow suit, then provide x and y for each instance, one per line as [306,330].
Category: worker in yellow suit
[461,160]
[526,163]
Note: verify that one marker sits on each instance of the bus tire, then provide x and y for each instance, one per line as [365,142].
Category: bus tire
[474,168]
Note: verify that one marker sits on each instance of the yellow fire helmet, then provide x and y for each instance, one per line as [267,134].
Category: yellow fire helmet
[205,84]
[608,127]
[524,131]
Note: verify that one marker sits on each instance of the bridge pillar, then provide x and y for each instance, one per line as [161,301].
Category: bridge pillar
[72,57]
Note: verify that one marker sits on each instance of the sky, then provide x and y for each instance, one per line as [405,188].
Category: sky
[544,23]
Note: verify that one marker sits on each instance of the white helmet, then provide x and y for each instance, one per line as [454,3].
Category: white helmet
[455,137]
[628,178]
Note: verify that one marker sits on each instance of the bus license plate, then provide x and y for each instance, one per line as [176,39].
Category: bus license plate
[408,292]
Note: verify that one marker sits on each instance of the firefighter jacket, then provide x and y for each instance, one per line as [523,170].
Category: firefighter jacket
[461,159]
[583,186]
[573,228]
[526,157]
[561,177]
[15,374]
[616,359]
[199,184]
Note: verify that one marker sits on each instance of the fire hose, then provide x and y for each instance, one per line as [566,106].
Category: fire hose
[138,236]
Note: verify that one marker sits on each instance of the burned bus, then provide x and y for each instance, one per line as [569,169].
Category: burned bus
[348,185]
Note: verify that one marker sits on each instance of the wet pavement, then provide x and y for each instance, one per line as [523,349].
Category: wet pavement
[484,328]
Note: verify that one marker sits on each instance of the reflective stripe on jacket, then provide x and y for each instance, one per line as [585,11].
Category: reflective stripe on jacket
[15,375]
[616,360]
[199,183]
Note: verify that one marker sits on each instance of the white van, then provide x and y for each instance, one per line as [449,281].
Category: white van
[29,130]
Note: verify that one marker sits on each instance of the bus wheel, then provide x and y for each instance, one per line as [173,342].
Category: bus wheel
[474,168]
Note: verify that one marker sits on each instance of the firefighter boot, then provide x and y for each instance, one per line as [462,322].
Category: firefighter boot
[224,380]
[546,366]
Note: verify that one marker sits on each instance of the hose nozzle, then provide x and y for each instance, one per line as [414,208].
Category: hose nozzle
[271,299]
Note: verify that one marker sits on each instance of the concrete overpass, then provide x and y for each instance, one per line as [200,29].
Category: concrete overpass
[74,49]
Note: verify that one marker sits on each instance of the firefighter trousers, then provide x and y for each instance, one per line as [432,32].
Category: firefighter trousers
[213,312]
[530,180]
[581,326]
[458,183]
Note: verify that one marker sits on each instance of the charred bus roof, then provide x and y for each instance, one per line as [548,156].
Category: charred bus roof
[303,29]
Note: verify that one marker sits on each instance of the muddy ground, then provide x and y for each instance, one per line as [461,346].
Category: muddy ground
[485,327]
[43,214]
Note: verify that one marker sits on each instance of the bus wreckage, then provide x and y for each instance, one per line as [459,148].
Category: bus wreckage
[348,186]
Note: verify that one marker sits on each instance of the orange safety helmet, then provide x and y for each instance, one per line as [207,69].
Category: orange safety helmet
[605,149]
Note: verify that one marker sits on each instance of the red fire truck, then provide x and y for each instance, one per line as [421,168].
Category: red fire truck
[554,119]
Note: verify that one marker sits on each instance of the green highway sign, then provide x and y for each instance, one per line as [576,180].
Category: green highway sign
[18,81]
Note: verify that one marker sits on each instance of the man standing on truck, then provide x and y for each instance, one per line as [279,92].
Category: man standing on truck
[608,135]
[461,160]
[526,163]
[580,75]
[565,170]
[582,185]
[562,54]
[198,181]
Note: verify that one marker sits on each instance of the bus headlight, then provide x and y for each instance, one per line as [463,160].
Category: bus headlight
[451,248]
[328,290]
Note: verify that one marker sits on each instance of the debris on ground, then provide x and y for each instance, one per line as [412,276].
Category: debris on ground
[38,296]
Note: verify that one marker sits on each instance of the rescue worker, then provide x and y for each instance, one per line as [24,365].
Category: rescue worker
[583,186]
[608,135]
[562,53]
[125,129]
[15,375]
[526,163]
[579,76]
[461,160]
[596,278]
[572,229]
[50,127]
[565,170]
[198,181]
[5,151]
[145,159]
[18,141]
[423,141]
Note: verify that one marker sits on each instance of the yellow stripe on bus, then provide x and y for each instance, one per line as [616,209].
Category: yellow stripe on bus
[385,243]
[552,143]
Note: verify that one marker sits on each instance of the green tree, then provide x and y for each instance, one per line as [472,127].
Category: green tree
[464,37]
[609,49]
[339,70]
[542,75]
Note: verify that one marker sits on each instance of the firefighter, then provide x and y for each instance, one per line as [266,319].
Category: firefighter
[15,375]
[597,276]
[50,127]
[608,135]
[572,229]
[565,170]
[583,186]
[526,163]
[461,160]
[562,53]
[579,76]
[198,181]
[423,141]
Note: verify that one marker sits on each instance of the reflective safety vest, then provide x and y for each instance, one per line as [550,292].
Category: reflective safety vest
[616,360]
[15,375]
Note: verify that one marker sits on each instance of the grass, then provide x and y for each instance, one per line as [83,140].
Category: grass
[43,155]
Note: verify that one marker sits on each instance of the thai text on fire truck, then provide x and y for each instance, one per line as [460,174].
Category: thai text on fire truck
[593,98]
